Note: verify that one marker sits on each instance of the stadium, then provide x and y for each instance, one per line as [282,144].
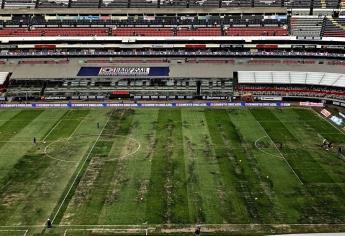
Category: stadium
[172,117]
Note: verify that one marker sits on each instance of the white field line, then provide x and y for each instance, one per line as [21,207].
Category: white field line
[120,230]
[44,139]
[337,128]
[75,130]
[21,226]
[280,153]
[144,226]
[262,150]
[25,231]
[61,118]
[52,157]
[82,166]
[129,154]
[341,131]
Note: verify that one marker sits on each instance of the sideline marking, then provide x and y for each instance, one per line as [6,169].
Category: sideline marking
[81,167]
[329,122]
[15,230]
[280,153]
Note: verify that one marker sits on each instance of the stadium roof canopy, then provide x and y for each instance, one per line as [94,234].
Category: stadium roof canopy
[292,77]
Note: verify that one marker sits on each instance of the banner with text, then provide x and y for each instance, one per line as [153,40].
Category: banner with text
[124,71]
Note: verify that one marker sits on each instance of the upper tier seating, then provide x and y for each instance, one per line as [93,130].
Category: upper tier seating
[53,3]
[173,3]
[268,3]
[256,31]
[199,32]
[114,3]
[325,3]
[144,3]
[20,3]
[142,32]
[236,3]
[166,32]
[306,26]
[85,3]
[204,3]
[298,3]
[159,21]
[53,32]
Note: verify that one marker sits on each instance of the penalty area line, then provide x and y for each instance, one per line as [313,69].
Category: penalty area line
[280,153]
[25,231]
[260,149]
[80,169]
[44,139]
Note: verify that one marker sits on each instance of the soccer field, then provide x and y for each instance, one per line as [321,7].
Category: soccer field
[151,171]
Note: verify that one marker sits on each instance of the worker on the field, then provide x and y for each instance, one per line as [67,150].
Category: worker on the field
[49,223]
[197,231]
[34,141]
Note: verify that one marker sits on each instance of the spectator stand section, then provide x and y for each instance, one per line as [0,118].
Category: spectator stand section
[144,25]
[290,84]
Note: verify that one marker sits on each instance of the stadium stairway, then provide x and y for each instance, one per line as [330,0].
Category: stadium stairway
[323,4]
[333,28]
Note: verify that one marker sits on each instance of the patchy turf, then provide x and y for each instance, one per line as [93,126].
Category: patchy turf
[143,168]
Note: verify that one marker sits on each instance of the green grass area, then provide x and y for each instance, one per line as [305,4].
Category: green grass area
[247,171]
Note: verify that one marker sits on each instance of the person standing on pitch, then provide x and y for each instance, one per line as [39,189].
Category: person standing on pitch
[197,231]
[97,125]
[34,141]
[49,223]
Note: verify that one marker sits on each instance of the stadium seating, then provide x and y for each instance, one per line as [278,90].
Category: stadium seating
[173,3]
[236,3]
[325,4]
[291,84]
[267,3]
[142,32]
[322,4]
[53,3]
[143,3]
[306,26]
[199,32]
[256,31]
[334,27]
[298,3]
[53,32]
[19,3]
[85,3]
[204,3]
